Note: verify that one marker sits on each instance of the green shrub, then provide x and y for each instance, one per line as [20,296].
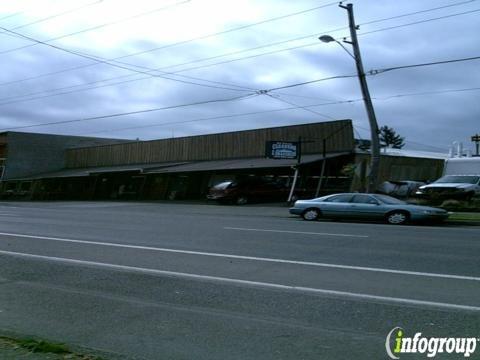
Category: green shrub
[461,205]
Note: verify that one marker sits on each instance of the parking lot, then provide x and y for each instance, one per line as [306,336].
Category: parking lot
[170,280]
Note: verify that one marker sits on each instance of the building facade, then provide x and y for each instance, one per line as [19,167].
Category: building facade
[186,167]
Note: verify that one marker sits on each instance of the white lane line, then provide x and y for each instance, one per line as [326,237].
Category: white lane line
[253,258]
[347,294]
[297,232]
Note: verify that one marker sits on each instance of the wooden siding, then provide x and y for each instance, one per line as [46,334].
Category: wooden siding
[398,168]
[240,144]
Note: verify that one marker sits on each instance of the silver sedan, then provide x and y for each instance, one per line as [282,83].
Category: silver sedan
[366,206]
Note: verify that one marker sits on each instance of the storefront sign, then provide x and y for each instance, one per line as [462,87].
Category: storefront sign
[281,150]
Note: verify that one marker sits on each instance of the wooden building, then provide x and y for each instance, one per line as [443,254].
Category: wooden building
[185,167]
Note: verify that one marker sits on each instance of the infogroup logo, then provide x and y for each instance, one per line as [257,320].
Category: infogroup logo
[397,343]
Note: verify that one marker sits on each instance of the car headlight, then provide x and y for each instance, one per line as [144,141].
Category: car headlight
[435,212]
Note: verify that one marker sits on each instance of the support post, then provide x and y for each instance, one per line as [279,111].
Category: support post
[297,167]
[322,171]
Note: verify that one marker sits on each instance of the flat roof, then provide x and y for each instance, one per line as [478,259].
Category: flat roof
[407,153]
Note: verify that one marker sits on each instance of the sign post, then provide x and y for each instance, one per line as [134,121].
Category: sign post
[295,176]
[476,139]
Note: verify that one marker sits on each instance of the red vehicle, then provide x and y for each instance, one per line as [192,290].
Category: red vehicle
[248,191]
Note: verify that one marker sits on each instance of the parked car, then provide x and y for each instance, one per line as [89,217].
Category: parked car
[462,187]
[366,206]
[248,190]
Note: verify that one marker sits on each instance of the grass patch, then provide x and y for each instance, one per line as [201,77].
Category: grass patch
[469,216]
[45,347]
[41,346]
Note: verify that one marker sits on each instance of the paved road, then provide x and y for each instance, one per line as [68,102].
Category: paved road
[179,281]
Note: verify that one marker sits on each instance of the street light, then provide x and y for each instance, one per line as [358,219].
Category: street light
[375,148]
[328,38]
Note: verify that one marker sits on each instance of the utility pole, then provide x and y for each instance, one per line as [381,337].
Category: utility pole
[375,147]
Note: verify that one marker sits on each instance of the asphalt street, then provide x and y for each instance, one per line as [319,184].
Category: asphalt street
[193,281]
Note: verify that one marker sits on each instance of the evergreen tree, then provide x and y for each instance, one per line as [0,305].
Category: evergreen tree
[389,138]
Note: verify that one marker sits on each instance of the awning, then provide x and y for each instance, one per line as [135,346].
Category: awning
[240,164]
[177,167]
[84,172]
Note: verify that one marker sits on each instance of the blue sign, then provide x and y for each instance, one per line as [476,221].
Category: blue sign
[281,150]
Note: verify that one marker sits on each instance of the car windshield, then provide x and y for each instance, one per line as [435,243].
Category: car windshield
[389,200]
[458,179]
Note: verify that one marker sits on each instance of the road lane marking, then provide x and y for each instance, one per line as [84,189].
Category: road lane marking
[296,232]
[253,258]
[346,294]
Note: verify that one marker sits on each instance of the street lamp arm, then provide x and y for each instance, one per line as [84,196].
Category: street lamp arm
[328,38]
[346,50]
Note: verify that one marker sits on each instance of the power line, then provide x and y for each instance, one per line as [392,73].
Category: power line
[379,71]
[372,72]
[11,15]
[179,43]
[104,61]
[175,73]
[94,27]
[231,53]
[350,101]
[99,60]
[308,82]
[74,89]
[24,10]
[311,44]
[406,141]
[418,12]
[316,43]
[227,116]
[300,107]
[429,146]
[427,93]
[55,15]
[339,102]
[129,113]
[170,66]
[308,36]
[184,41]
[419,22]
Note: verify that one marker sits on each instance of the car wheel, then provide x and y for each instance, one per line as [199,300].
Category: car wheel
[311,214]
[468,196]
[241,200]
[397,217]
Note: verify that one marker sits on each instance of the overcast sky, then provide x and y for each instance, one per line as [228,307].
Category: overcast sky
[198,65]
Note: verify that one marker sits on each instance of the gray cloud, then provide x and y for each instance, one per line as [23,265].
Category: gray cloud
[434,120]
